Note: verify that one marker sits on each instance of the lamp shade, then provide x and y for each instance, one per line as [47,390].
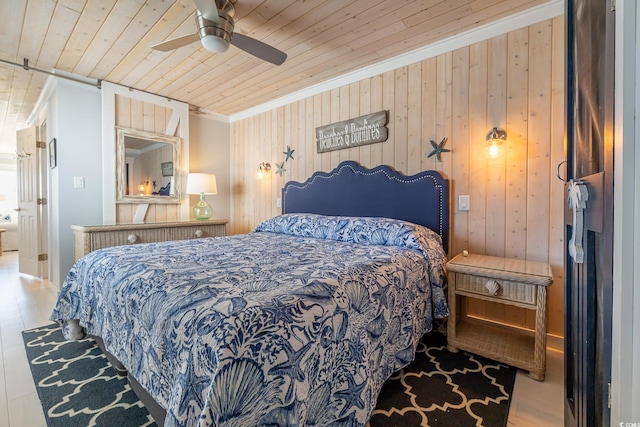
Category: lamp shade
[201,183]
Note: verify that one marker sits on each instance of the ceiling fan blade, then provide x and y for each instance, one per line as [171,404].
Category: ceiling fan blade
[258,49]
[208,10]
[176,43]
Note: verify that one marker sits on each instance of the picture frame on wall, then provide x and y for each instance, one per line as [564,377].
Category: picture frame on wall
[53,154]
[167,168]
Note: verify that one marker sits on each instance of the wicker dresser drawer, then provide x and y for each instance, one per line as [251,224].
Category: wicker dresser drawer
[496,289]
[119,238]
[195,232]
[90,238]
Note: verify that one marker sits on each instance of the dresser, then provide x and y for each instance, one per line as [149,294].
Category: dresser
[93,237]
[503,281]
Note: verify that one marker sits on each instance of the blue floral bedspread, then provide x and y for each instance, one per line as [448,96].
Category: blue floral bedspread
[296,324]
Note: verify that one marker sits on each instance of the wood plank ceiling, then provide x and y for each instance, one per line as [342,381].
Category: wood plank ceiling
[111,39]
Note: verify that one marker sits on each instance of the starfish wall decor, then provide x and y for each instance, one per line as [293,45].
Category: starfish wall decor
[280,170]
[438,148]
[288,153]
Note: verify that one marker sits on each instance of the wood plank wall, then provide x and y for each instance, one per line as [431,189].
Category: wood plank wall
[140,115]
[514,81]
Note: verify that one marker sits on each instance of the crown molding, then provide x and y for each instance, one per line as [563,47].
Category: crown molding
[549,10]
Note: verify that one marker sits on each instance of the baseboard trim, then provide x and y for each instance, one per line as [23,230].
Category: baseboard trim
[555,342]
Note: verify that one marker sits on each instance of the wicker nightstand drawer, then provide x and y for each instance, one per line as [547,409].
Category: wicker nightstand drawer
[496,289]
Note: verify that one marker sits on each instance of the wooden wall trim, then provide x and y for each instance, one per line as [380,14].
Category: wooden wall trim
[176,124]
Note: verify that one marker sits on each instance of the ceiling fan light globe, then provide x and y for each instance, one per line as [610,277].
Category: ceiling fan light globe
[214,44]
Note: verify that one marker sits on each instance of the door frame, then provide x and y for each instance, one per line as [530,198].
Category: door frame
[43,217]
[625,375]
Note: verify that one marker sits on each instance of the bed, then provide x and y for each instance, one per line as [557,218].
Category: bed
[298,323]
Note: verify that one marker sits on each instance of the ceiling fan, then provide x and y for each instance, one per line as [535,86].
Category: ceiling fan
[215,31]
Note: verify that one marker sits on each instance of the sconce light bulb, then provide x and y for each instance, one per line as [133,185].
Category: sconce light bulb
[263,170]
[495,137]
[493,150]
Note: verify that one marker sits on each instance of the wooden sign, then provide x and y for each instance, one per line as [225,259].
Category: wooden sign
[362,130]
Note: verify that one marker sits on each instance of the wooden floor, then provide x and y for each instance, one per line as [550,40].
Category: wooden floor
[26,302]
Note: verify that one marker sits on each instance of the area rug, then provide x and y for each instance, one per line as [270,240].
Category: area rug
[76,384]
[78,387]
[440,388]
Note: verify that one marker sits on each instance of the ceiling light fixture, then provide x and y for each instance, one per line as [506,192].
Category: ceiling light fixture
[215,37]
[214,44]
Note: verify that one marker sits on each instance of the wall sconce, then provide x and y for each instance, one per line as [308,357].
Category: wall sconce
[495,138]
[264,170]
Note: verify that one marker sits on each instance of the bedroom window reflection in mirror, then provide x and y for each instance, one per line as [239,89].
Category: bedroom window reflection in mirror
[147,167]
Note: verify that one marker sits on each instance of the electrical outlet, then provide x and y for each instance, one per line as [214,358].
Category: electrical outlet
[278,202]
[463,202]
[78,182]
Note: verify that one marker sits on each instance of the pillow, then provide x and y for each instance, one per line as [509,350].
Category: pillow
[361,230]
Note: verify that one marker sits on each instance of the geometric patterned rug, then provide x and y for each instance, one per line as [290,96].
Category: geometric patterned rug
[440,388]
[77,387]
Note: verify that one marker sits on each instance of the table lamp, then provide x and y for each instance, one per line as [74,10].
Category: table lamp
[201,183]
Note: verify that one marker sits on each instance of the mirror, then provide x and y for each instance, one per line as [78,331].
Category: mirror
[147,167]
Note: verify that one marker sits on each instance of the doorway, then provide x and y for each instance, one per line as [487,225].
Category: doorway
[32,208]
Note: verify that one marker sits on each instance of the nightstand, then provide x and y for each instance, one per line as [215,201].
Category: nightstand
[503,281]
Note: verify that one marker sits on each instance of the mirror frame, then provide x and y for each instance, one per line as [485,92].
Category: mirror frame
[176,141]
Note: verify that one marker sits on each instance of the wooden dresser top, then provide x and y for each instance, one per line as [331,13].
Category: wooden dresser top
[150,225]
[503,268]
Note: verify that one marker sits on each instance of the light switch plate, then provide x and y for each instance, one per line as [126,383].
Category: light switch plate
[278,202]
[78,182]
[463,202]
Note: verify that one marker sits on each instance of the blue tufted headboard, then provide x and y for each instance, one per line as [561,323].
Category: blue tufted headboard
[353,190]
